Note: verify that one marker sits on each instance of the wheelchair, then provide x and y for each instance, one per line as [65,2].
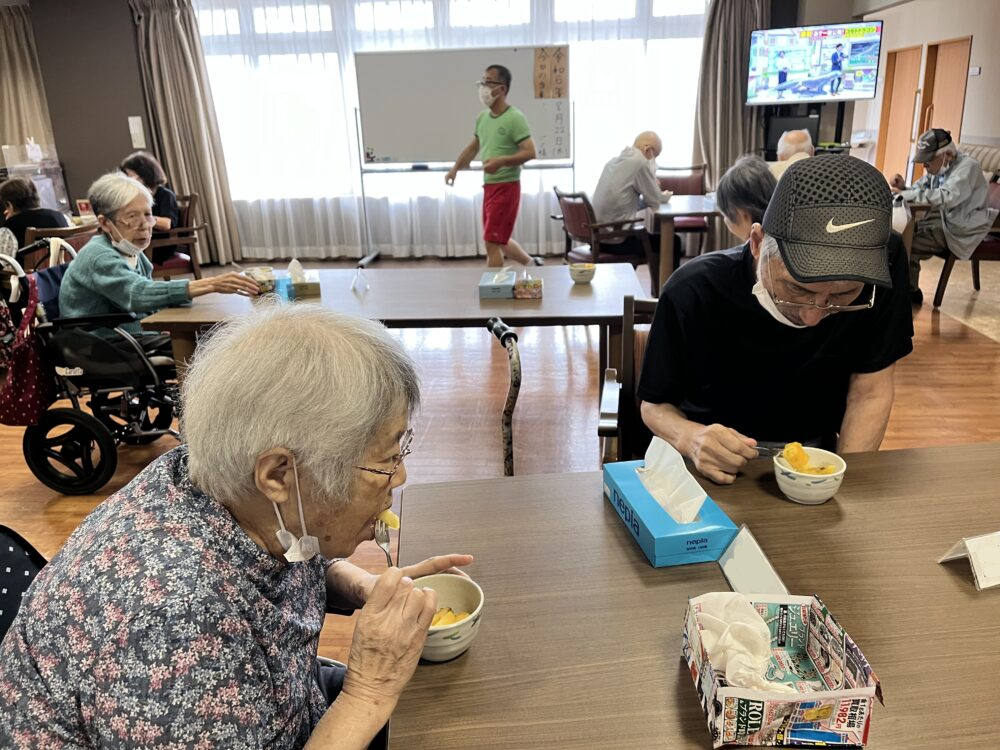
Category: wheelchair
[130,393]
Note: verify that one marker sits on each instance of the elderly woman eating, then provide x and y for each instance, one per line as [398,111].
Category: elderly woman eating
[111,274]
[186,609]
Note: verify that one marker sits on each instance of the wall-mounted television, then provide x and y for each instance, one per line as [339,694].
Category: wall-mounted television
[832,63]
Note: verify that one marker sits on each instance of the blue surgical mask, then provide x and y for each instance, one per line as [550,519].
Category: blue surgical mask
[304,548]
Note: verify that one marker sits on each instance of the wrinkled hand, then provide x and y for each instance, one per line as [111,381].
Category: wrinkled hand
[490,166]
[235,283]
[897,182]
[388,638]
[430,566]
[719,452]
[449,179]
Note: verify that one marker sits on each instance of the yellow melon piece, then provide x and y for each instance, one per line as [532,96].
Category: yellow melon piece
[796,456]
[446,616]
[389,518]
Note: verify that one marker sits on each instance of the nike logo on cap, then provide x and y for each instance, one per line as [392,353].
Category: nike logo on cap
[832,228]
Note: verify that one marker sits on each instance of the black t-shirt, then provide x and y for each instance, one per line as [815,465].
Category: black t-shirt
[40,218]
[718,356]
[165,204]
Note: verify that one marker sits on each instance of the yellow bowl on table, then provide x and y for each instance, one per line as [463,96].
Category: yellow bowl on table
[806,487]
[582,273]
[460,594]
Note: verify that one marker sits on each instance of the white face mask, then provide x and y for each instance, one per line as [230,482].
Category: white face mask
[304,548]
[764,297]
[486,95]
[124,246]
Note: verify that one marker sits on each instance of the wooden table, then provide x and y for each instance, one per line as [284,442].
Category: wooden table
[579,645]
[434,298]
[663,222]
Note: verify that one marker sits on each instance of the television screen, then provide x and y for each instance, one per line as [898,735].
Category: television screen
[814,63]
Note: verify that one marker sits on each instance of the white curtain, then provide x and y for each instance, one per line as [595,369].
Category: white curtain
[24,112]
[282,74]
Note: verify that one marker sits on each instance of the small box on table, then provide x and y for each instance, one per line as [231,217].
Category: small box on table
[662,539]
[836,685]
[496,285]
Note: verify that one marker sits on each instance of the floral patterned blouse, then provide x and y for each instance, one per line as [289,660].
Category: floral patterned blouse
[161,624]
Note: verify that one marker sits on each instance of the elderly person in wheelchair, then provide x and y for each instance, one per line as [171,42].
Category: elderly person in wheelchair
[187,608]
[112,275]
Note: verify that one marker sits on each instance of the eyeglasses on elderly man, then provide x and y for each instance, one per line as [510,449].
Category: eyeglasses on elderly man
[189,603]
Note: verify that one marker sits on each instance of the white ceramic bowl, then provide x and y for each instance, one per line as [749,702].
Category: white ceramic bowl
[582,273]
[810,489]
[462,594]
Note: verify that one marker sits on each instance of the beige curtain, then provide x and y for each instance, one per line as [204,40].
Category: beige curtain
[24,113]
[725,128]
[179,105]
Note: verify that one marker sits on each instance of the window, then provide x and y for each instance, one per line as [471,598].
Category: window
[219,22]
[296,18]
[489,12]
[679,7]
[386,15]
[577,11]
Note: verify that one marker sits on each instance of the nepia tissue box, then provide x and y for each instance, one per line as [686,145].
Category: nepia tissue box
[663,540]
[497,285]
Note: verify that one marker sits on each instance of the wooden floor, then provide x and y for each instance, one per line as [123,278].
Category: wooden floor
[947,392]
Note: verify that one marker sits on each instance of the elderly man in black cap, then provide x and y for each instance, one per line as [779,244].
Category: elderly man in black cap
[954,186]
[791,337]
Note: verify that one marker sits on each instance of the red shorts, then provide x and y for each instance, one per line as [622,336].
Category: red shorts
[501,200]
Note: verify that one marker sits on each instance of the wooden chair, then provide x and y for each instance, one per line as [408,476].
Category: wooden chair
[39,258]
[686,181]
[580,225]
[183,236]
[989,248]
[625,434]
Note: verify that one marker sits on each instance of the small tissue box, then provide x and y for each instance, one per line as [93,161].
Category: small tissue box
[528,289]
[496,285]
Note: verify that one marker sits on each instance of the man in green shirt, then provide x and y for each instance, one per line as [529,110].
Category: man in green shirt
[504,139]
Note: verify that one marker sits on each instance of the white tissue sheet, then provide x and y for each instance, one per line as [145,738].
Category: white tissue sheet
[737,641]
[667,479]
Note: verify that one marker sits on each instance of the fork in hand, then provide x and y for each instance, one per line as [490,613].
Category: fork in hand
[382,540]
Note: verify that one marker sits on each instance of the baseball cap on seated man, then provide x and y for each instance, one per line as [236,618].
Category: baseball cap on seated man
[929,144]
[832,217]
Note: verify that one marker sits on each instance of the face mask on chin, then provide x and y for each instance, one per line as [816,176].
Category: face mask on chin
[764,297]
[124,246]
[486,96]
[304,548]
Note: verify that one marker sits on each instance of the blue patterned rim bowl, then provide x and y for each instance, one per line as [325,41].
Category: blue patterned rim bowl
[810,489]
[462,594]
[582,273]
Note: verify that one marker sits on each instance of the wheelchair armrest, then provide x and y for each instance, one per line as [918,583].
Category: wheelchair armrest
[607,423]
[107,320]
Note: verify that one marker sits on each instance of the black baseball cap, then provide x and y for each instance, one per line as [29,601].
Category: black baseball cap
[832,217]
[929,143]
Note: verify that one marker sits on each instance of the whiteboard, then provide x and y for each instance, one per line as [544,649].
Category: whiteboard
[421,106]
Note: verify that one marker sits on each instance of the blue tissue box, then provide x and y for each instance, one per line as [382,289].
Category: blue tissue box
[663,540]
[490,289]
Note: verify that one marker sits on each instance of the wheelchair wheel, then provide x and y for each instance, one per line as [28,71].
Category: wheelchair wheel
[158,415]
[70,451]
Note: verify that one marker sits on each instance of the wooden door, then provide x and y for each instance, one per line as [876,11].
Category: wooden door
[899,104]
[946,76]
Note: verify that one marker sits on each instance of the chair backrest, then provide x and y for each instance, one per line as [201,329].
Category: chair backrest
[633,434]
[19,564]
[75,236]
[682,180]
[993,196]
[578,215]
[187,206]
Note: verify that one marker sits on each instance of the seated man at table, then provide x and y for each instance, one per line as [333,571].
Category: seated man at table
[746,346]
[959,216]
[793,146]
[627,185]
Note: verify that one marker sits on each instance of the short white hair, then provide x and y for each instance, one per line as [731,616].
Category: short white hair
[951,149]
[787,150]
[109,193]
[319,383]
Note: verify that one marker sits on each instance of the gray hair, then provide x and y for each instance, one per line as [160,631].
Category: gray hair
[798,145]
[747,186]
[110,192]
[950,149]
[319,383]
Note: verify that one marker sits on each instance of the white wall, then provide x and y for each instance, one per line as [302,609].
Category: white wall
[928,21]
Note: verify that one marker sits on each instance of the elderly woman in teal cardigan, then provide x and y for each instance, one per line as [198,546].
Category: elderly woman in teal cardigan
[111,274]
